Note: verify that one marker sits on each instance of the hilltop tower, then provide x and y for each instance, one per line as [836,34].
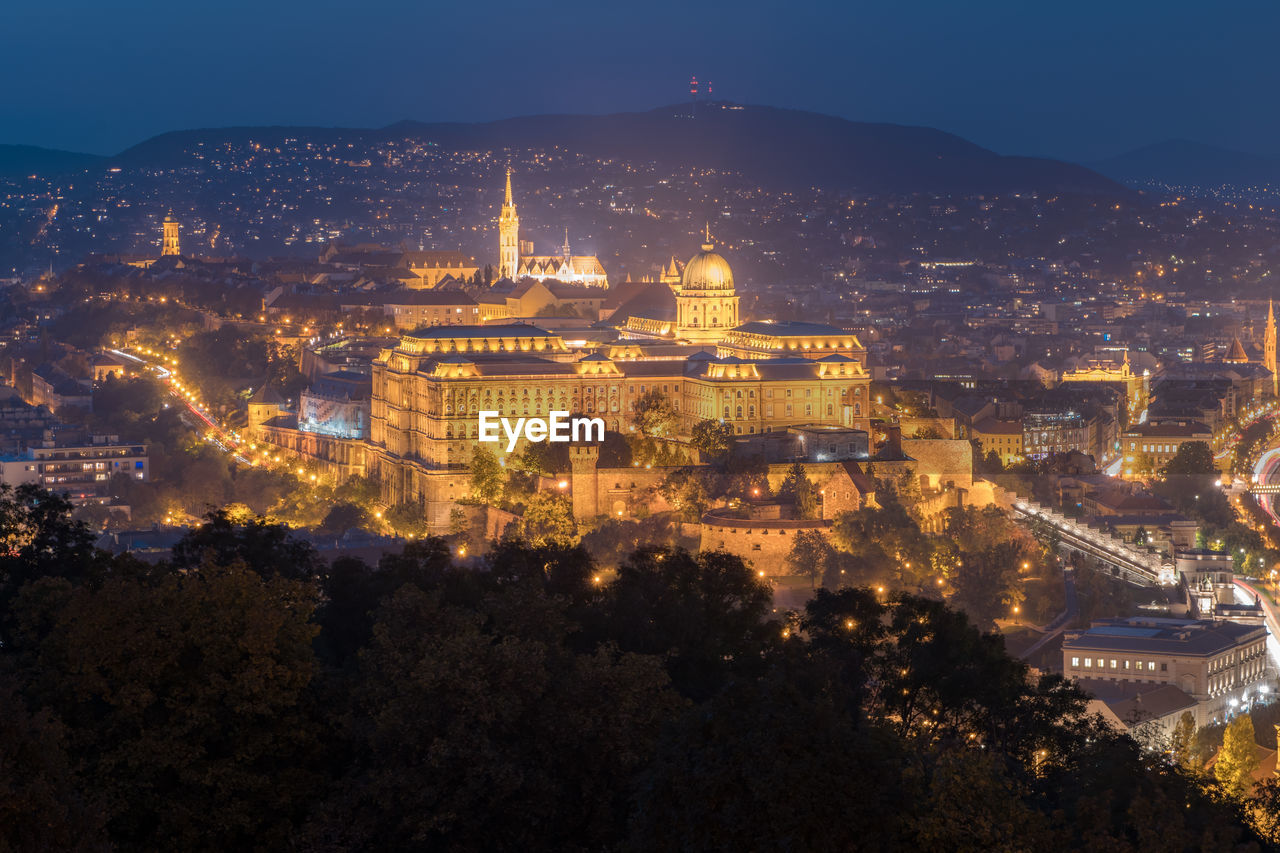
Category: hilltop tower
[169,244]
[508,236]
[1269,348]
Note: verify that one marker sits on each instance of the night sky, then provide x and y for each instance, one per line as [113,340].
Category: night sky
[1077,80]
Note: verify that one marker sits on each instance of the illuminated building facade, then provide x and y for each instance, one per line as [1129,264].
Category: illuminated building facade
[1269,349]
[1219,664]
[508,236]
[169,238]
[1136,386]
[705,305]
[428,392]
[336,404]
[566,267]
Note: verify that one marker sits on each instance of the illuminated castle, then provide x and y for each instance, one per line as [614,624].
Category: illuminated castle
[567,267]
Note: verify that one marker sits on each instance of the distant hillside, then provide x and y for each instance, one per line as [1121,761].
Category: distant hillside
[774,146]
[1181,162]
[17,161]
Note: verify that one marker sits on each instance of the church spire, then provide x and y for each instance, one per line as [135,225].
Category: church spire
[707,245]
[1269,349]
[566,243]
[508,236]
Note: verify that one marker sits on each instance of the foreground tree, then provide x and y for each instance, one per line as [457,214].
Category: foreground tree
[1238,758]
[185,699]
[473,735]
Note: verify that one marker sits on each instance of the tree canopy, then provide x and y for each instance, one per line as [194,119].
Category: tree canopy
[247,695]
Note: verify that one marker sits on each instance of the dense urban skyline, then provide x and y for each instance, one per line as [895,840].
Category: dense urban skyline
[1079,82]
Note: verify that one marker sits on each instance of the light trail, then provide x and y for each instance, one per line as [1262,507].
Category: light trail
[1245,593]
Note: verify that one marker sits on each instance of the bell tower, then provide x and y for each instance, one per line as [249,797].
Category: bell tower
[508,236]
[1269,348]
[169,243]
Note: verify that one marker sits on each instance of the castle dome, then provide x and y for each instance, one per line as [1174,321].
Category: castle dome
[707,270]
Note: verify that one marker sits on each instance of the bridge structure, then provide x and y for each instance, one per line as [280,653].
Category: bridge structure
[1124,560]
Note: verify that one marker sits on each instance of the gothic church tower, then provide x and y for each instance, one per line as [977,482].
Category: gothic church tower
[169,243]
[508,236]
[1269,349]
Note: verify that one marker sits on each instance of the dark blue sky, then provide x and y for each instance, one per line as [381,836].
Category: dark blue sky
[1076,80]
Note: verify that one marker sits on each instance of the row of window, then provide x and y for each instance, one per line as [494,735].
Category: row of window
[1116,664]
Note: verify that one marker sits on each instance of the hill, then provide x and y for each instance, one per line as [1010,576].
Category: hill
[787,148]
[1181,162]
[17,161]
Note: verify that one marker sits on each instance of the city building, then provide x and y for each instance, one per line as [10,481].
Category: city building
[1150,446]
[1001,437]
[81,470]
[1221,665]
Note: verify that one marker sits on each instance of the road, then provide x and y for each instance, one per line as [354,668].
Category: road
[1065,618]
[211,431]
[1246,593]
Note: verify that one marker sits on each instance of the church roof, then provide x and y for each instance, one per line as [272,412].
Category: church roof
[583,265]
[267,395]
[1237,353]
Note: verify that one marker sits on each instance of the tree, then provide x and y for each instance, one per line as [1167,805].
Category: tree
[1238,757]
[705,612]
[1182,741]
[809,555]
[654,415]
[1264,810]
[342,517]
[184,696]
[41,804]
[713,439]
[798,489]
[487,476]
[547,520]
[472,728]
[38,540]
[1193,459]
[268,549]
[686,490]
